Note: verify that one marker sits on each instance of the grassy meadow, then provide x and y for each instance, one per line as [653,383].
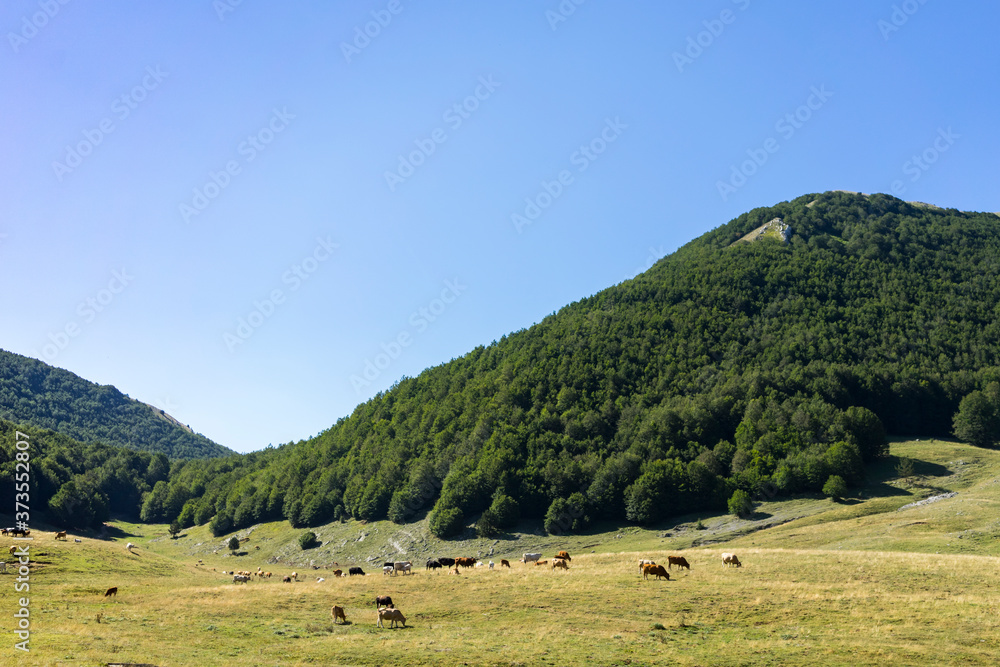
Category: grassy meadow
[823,583]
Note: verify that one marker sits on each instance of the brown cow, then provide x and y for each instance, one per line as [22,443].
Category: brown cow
[465,562]
[336,573]
[656,570]
[338,612]
[61,534]
[541,562]
[679,561]
[504,563]
[564,555]
[112,591]
[559,562]
[392,615]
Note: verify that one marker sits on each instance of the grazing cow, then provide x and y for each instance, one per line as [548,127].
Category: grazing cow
[491,565]
[447,562]
[527,558]
[465,562]
[14,532]
[387,569]
[504,563]
[267,574]
[12,550]
[111,591]
[480,564]
[541,562]
[559,562]
[645,562]
[338,612]
[286,580]
[61,534]
[403,566]
[392,615]
[679,561]
[295,576]
[433,564]
[129,547]
[656,570]
[731,559]
[355,570]
[3,531]
[240,579]
[77,540]
[564,555]
[383,601]
[336,573]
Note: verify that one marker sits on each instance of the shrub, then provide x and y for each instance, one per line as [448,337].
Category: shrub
[307,540]
[234,543]
[835,487]
[741,504]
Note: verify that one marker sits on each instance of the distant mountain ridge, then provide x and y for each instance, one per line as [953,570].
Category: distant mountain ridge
[32,392]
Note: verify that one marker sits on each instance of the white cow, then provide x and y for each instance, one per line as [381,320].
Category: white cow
[529,558]
[130,546]
[491,565]
[731,559]
[403,566]
[387,569]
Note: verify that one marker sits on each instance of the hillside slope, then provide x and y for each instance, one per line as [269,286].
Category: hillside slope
[32,392]
[762,367]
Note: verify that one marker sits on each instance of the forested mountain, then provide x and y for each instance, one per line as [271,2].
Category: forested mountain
[726,369]
[32,392]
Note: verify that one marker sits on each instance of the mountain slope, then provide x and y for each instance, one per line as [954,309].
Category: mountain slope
[32,392]
[763,367]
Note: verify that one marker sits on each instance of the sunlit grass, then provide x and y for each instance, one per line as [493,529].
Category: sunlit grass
[838,587]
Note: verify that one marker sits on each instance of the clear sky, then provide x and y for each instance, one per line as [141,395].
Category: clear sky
[256,216]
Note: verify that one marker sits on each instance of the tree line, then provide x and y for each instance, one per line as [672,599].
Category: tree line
[722,371]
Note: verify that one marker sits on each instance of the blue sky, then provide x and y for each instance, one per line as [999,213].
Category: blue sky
[256,216]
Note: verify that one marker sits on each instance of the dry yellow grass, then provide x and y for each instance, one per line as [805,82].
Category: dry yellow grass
[785,606]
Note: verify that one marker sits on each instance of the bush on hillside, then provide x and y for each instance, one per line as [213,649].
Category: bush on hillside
[307,540]
[835,487]
[741,504]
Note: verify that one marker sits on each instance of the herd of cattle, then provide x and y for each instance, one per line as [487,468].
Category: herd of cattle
[385,610]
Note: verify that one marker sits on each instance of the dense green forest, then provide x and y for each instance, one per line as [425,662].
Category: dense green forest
[723,373]
[32,392]
[78,485]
